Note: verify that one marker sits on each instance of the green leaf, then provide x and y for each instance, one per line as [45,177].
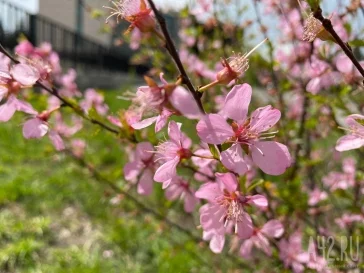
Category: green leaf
[255,184]
[357,43]
[214,151]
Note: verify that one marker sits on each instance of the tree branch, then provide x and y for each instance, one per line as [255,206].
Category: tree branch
[54,92]
[174,54]
[326,23]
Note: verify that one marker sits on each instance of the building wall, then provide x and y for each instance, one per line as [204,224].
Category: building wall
[64,12]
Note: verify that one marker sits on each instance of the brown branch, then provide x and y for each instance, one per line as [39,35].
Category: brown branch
[326,23]
[54,92]
[174,54]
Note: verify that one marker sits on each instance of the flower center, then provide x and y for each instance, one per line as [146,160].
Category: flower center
[234,204]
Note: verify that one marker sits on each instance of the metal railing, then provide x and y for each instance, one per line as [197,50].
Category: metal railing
[15,21]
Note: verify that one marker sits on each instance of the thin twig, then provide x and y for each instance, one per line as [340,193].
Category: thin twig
[326,23]
[174,54]
[54,92]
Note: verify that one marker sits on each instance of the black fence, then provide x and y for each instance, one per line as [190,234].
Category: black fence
[77,48]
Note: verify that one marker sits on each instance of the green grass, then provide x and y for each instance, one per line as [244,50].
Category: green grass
[54,217]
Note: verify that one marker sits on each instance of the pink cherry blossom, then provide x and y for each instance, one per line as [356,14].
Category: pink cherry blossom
[134,11]
[346,220]
[291,253]
[226,205]
[355,137]
[270,156]
[322,77]
[141,169]
[172,152]
[38,127]
[316,196]
[24,48]
[259,239]
[180,188]
[69,87]
[94,99]
[156,101]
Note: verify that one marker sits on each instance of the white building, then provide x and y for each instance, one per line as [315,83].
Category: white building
[68,13]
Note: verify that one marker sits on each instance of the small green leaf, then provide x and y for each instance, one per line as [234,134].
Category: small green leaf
[357,43]
[214,151]
[255,184]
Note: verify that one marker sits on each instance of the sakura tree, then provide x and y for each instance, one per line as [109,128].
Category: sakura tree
[264,149]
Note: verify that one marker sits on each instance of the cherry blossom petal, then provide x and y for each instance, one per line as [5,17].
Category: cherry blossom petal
[202,162]
[352,121]
[25,74]
[233,160]
[174,132]
[56,140]
[132,170]
[144,151]
[237,102]
[25,107]
[208,191]
[349,142]
[190,202]
[35,128]
[246,248]
[217,243]
[271,157]
[258,200]
[263,118]
[314,85]
[162,119]
[344,64]
[263,243]
[3,92]
[245,226]
[144,123]
[7,110]
[166,172]
[145,185]
[214,129]
[273,228]
[183,101]
[174,190]
[228,180]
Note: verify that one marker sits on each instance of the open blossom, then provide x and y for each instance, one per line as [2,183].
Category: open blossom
[180,188]
[270,156]
[160,102]
[12,80]
[316,196]
[38,127]
[235,66]
[172,152]
[322,76]
[94,99]
[291,253]
[346,220]
[135,12]
[355,138]
[141,169]
[259,239]
[226,206]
